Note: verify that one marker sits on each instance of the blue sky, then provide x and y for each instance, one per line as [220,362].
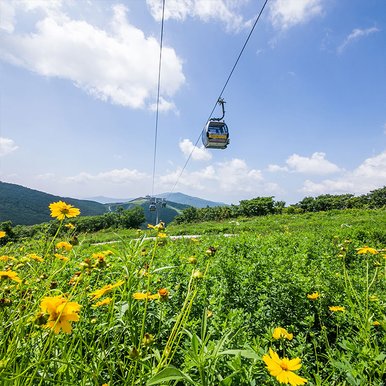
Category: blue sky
[306,104]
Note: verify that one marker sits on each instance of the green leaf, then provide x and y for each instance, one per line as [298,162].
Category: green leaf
[169,373]
[250,354]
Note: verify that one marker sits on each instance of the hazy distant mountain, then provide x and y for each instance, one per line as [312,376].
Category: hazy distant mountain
[24,206]
[107,200]
[182,198]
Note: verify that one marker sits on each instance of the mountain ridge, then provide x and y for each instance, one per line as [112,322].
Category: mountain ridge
[25,206]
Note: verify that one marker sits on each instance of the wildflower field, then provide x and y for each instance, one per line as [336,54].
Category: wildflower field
[281,299]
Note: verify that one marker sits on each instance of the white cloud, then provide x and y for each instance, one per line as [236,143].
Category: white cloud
[7,18]
[222,179]
[197,153]
[287,13]
[223,10]
[7,146]
[370,175]
[116,176]
[106,63]
[316,164]
[46,176]
[163,105]
[356,34]
[276,168]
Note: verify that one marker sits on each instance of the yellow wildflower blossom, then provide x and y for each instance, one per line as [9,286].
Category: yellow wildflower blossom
[103,302]
[145,295]
[64,245]
[2,234]
[279,333]
[366,249]
[61,210]
[11,275]
[35,257]
[61,313]
[336,308]
[283,369]
[61,257]
[313,296]
[6,258]
[105,289]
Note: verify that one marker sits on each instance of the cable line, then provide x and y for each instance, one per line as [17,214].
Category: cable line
[222,91]
[158,96]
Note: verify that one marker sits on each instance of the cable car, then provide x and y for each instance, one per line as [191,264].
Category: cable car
[216,133]
[152,205]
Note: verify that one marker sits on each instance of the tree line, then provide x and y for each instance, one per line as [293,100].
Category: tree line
[120,219]
[262,206]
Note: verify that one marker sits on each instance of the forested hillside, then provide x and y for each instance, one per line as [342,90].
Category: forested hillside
[24,206]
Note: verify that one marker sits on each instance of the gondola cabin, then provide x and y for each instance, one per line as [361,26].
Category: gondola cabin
[215,135]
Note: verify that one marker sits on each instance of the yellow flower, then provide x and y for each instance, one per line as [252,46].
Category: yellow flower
[145,295]
[61,210]
[107,288]
[376,323]
[159,227]
[2,234]
[366,249]
[6,258]
[11,275]
[283,369]
[61,312]
[336,308]
[313,296]
[103,302]
[279,333]
[35,257]
[70,225]
[61,257]
[64,245]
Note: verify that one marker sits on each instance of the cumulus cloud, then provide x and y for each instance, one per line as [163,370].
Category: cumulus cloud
[117,176]
[370,175]
[316,164]
[106,63]
[229,178]
[287,13]
[356,34]
[223,10]
[7,146]
[197,153]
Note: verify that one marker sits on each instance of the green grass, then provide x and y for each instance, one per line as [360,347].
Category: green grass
[223,303]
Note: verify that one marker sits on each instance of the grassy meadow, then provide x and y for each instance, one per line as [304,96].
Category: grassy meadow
[281,299]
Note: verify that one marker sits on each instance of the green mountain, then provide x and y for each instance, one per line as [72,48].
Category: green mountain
[24,206]
[182,198]
[162,213]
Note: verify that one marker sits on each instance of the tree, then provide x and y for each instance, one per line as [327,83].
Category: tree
[259,206]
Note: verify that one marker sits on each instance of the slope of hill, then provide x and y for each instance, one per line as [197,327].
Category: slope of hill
[196,202]
[24,206]
[165,214]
